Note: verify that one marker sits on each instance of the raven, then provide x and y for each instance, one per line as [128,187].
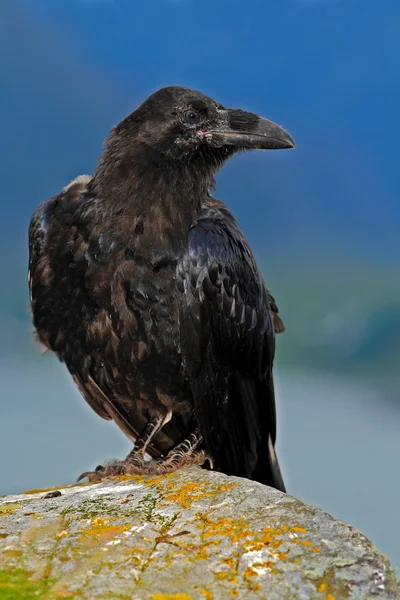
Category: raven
[144,285]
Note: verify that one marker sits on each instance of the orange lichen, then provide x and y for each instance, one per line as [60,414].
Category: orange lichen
[62,534]
[171,597]
[232,529]
[12,553]
[99,521]
[250,573]
[57,488]
[330,586]
[229,561]
[315,550]
[101,530]
[200,552]
[207,594]
[299,529]
[6,509]
[188,492]
[42,490]
[222,574]
[155,480]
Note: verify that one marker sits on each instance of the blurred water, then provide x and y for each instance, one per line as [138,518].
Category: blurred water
[338,441]
[339,445]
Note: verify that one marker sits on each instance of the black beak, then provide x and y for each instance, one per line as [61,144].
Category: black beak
[247,130]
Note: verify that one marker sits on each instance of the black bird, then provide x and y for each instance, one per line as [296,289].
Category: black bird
[144,285]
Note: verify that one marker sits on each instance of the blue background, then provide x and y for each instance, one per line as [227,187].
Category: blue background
[323,220]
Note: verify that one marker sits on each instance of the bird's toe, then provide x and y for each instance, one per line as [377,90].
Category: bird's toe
[90,475]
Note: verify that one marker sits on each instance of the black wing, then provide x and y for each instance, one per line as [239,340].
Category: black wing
[40,274]
[228,344]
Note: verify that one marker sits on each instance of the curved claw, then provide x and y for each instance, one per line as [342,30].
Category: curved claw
[209,459]
[83,476]
[91,475]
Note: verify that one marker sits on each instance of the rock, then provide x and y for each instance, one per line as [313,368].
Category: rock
[193,534]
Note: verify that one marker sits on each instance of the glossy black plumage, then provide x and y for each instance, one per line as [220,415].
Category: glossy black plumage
[144,285]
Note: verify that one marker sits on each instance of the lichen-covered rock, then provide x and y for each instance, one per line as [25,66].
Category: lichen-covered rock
[189,535]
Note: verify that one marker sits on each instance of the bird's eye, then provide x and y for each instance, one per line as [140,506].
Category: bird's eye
[191,116]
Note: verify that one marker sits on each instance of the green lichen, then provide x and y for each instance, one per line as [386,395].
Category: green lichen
[91,508]
[146,508]
[17,585]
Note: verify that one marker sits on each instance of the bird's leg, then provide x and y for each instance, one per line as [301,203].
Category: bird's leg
[147,435]
[136,455]
[186,453]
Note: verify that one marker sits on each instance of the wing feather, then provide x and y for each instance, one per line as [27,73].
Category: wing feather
[40,273]
[227,320]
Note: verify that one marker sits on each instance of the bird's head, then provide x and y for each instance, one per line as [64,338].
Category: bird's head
[185,125]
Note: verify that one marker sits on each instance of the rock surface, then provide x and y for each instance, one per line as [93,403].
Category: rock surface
[189,535]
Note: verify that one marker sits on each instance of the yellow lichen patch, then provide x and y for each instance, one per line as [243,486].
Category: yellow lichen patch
[64,558]
[207,594]
[12,553]
[99,521]
[232,529]
[156,479]
[43,490]
[299,529]
[7,509]
[171,597]
[101,533]
[62,534]
[226,488]
[229,561]
[57,488]
[249,573]
[331,586]
[185,494]
[63,592]
[198,552]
